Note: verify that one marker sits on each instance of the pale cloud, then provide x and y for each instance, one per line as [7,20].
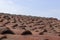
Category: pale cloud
[6,5]
[9,6]
[6,2]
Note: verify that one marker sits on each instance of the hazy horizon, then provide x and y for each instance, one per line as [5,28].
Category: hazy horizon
[43,8]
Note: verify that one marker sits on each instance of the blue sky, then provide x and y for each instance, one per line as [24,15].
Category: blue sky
[44,8]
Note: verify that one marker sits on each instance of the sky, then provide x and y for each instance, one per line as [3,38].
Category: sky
[43,8]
